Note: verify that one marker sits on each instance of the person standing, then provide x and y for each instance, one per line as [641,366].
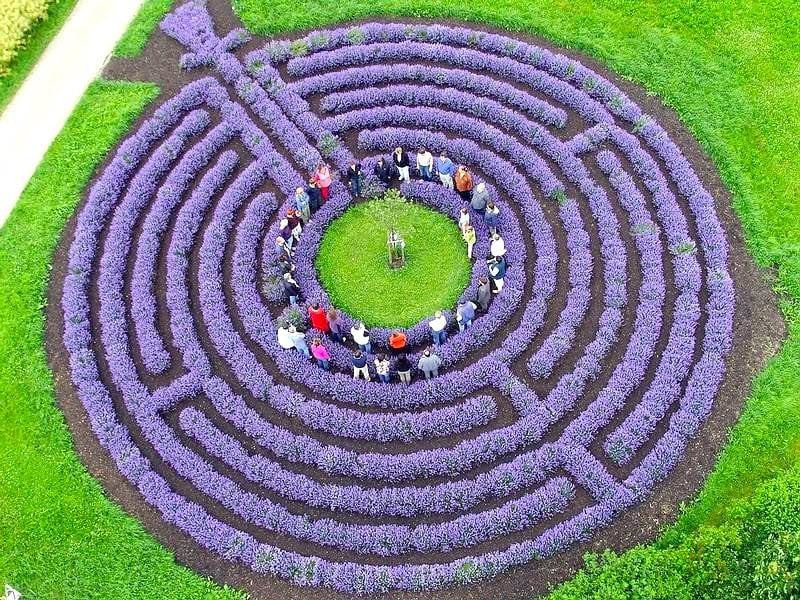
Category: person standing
[382,367]
[383,171]
[484,293]
[463,219]
[491,217]
[465,313]
[319,320]
[336,325]
[323,179]
[302,204]
[470,237]
[283,247]
[401,163]
[446,170]
[480,197]
[284,337]
[354,178]
[397,341]
[314,196]
[429,364]
[295,225]
[403,367]
[361,337]
[498,246]
[438,325]
[463,183]
[291,288]
[360,365]
[299,341]
[497,271]
[321,353]
[425,164]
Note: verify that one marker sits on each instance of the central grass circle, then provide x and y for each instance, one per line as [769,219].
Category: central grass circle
[353,263]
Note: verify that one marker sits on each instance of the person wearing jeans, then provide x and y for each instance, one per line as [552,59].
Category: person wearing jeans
[299,341]
[425,164]
[354,178]
[361,337]
[336,325]
[429,364]
[465,313]
[382,367]
[438,325]
[360,365]
[446,170]
[291,288]
[321,353]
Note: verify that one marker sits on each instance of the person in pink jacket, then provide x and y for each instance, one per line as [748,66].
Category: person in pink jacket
[321,353]
[322,179]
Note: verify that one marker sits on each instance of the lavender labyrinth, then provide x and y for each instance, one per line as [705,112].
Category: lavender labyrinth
[557,411]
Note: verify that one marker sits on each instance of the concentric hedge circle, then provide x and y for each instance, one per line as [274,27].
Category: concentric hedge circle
[557,411]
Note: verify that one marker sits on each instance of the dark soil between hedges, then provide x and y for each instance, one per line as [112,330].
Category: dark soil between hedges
[759,330]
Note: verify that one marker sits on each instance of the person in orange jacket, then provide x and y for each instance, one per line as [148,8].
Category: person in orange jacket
[463,181]
[397,341]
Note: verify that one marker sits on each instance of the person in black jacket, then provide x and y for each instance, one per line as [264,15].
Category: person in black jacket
[314,196]
[360,365]
[383,171]
[401,163]
[403,366]
[354,178]
[291,288]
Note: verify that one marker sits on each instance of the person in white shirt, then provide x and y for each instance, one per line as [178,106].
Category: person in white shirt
[361,337]
[463,219]
[498,246]
[438,325]
[382,365]
[285,338]
[425,164]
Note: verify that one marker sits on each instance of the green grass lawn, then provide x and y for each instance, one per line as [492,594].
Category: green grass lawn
[354,268]
[730,71]
[149,16]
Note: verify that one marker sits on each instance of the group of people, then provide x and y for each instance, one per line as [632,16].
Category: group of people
[454,177]
[329,321]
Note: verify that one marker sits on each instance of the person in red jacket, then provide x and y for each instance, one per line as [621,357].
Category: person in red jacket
[319,318]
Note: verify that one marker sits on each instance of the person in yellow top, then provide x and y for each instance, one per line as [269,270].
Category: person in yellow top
[470,237]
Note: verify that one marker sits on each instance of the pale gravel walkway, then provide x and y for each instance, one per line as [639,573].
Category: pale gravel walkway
[39,109]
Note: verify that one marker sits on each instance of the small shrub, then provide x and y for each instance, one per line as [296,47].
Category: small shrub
[298,48]
[356,36]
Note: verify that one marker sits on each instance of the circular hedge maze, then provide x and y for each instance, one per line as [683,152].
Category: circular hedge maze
[555,413]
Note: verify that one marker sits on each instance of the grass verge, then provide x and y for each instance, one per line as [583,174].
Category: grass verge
[146,20]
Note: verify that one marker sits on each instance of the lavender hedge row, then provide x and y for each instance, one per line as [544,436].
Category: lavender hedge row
[143,302]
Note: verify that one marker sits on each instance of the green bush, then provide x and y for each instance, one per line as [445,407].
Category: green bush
[756,555]
[17,19]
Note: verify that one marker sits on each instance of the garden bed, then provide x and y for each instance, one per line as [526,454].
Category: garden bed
[626,269]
